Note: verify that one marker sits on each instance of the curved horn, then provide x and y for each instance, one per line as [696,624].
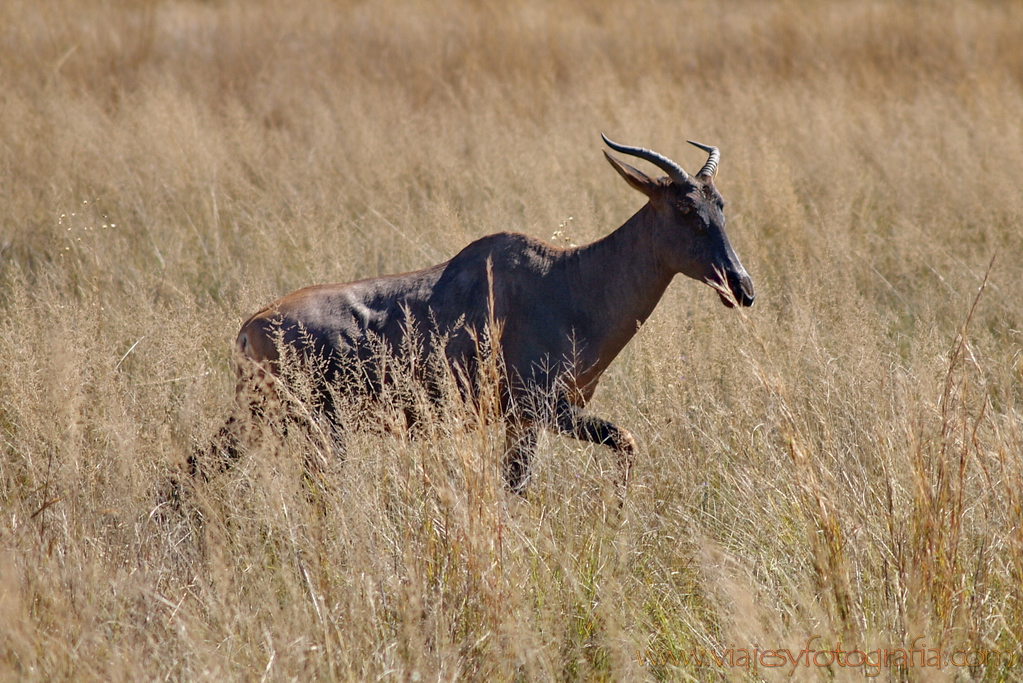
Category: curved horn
[711,167]
[674,171]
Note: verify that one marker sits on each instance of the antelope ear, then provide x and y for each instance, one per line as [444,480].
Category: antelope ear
[633,176]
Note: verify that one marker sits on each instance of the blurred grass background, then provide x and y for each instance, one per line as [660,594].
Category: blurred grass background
[842,460]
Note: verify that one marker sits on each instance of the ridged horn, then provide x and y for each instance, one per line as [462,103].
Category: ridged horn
[674,171]
[711,167]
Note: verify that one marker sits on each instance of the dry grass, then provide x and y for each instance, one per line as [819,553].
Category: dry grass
[843,460]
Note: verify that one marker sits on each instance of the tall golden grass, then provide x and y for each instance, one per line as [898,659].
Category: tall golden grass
[843,460]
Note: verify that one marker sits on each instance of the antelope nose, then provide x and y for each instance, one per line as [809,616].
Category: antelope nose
[742,288]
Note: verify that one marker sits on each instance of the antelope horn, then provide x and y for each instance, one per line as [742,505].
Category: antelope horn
[674,171]
[711,167]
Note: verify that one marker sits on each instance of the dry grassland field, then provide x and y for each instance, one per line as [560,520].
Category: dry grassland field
[829,484]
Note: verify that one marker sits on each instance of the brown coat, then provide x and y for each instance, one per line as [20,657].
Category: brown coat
[564,314]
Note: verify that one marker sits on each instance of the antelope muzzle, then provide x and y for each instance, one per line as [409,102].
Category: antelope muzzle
[741,287]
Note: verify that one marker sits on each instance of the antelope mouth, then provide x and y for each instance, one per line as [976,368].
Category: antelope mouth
[739,290]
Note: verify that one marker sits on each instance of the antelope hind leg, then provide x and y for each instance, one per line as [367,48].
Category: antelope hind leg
[256,405]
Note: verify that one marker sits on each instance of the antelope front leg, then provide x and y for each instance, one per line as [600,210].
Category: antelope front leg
[520,444]
[571,420]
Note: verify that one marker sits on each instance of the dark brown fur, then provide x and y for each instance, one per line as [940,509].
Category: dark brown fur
[564,314]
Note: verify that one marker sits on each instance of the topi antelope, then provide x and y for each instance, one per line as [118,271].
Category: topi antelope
[563,314]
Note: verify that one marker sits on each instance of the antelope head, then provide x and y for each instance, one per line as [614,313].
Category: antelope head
[687,221]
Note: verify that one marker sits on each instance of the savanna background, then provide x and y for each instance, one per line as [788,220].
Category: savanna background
[841,460]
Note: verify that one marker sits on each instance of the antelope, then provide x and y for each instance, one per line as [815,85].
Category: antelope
[563,313]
